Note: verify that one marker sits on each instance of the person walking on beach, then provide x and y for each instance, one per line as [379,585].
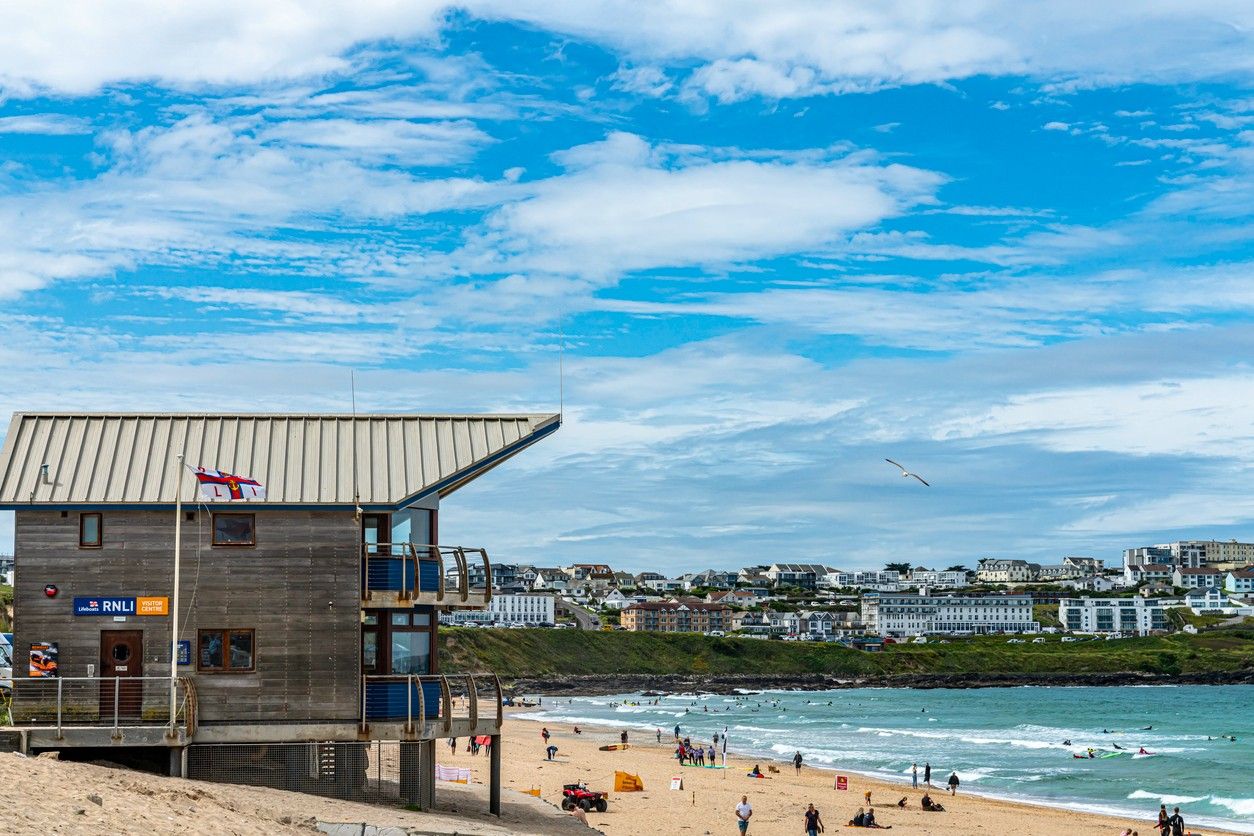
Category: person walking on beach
[914,776]
[552,750]
[544,732]
[953,783]
[814,824]
[927,773]
[659,735]
[796,762]
[1177,823]
[677,731]
[623,737]
[452,745]
[744,811]
[1164,821]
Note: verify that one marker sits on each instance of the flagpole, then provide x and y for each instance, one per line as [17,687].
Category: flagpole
[174,602]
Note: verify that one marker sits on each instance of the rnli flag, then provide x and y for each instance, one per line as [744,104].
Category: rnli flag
[216,486]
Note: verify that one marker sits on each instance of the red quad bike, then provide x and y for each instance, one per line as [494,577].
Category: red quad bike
[578,795]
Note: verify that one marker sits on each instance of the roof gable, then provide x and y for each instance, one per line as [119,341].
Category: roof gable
[307,460]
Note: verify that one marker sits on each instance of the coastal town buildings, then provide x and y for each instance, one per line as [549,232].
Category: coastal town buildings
[687,615]
[1195,578]
[904,615]
[1148,572]
[999,570]
[804,575]
[1141,616]
[527,608]
[308,621]
[1193,554]
[938,579]
[1240,581]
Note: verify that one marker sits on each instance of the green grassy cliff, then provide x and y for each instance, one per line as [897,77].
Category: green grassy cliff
[547,653]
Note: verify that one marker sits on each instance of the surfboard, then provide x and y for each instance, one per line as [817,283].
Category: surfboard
[614,747]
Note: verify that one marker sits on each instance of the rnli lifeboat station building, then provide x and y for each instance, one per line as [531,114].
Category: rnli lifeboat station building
[308,627]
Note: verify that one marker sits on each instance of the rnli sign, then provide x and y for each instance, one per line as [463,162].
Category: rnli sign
[101,605]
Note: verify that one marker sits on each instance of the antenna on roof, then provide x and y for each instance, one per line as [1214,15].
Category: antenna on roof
[352,386]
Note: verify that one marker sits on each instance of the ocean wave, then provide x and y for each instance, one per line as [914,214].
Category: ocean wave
[1163,798]
[1240,806]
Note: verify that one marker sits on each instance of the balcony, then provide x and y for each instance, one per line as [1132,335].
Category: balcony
[103,711]
[409,574]
[433,705]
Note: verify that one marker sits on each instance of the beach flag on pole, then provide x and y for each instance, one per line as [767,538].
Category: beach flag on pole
[216,486]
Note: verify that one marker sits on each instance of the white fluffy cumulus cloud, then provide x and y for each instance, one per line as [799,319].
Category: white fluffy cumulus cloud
[737,47]
[624,204]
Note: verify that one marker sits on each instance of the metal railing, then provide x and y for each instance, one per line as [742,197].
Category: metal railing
[446,698]
[119,702]
[398,568]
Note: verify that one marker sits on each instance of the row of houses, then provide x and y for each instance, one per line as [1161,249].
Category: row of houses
[1007,571]
[1190,577]
[1224,555]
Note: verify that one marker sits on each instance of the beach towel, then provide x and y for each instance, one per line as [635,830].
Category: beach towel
[626,782]
[455,774]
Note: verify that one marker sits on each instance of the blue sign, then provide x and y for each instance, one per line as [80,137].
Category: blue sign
[185,652]
[104,606]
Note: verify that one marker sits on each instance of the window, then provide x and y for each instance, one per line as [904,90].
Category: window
[234,529]
[90,531]
[397,643]
[226,651]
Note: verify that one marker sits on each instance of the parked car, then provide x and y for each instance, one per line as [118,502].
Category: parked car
[920,639]
[1016,641]
[1040,640]
[1069,638]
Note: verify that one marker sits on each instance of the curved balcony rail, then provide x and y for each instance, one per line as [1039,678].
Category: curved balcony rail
[120,702]
[470,700]
[404,574]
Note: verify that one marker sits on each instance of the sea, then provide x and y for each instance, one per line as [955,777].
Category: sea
[1013,743]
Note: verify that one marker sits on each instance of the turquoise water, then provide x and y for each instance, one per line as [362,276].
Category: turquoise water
[1006,742]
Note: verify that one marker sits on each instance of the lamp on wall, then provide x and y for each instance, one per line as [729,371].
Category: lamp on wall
[51,590]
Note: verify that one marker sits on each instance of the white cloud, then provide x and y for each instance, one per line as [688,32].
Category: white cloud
[1057,126]
[790,48]
[49,124]
[1186,417]
[626,205]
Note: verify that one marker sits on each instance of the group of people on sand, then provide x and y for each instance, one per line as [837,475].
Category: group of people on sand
[693,755]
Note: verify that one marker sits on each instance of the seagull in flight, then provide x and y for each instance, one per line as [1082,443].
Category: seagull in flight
[905,474]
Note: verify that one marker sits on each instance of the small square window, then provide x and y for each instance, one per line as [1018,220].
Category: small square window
[400,619]
[234,529]
[90,531]
[225,651]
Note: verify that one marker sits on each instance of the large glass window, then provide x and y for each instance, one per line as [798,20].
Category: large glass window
[396,642]
[234,529]
[411,652]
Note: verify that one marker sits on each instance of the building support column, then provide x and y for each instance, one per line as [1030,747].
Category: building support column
[494,781]
[176,761]
[411,773]
[428,774]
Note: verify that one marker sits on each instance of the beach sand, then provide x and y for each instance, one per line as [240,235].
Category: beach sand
[44,795]
[705,805]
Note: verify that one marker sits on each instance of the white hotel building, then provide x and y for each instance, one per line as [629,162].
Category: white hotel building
[901,616]
[1112,615]
[531,608]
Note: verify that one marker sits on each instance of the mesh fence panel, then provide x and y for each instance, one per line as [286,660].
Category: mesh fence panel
[368,771]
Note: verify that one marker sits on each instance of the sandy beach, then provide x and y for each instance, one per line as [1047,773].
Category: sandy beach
[708,797]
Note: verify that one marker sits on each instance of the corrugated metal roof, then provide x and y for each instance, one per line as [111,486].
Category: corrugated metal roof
[129,459]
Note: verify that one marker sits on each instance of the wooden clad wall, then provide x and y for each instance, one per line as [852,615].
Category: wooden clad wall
[298,588]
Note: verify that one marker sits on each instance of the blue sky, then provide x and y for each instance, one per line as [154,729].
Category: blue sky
[1007,244]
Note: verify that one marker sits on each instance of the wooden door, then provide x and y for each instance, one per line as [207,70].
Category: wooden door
[121,658]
